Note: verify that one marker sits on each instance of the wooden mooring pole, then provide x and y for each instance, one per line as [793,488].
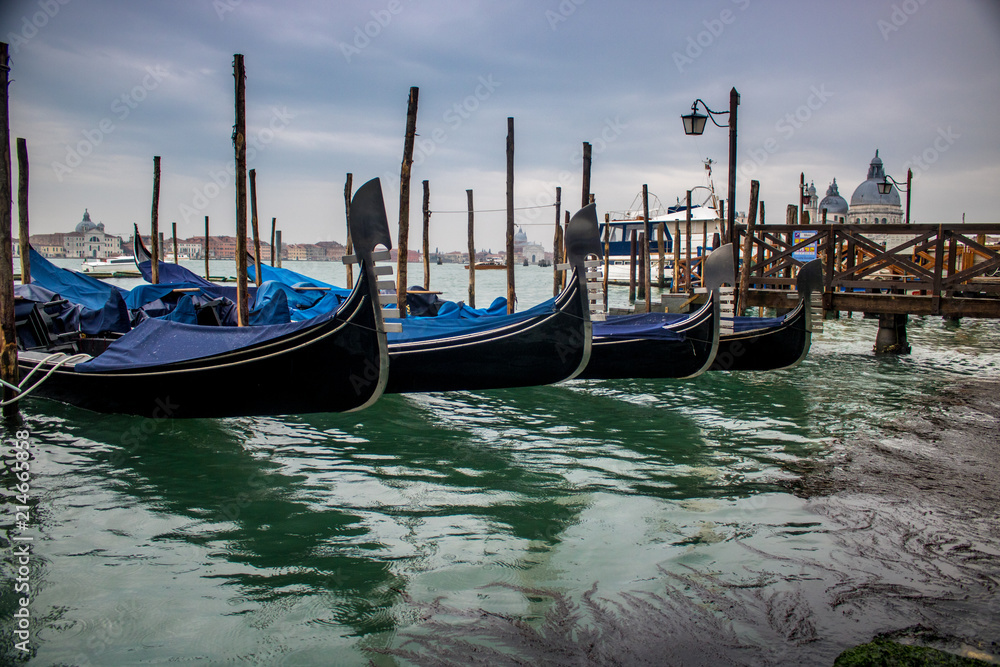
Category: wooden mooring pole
[472,250]
[154,235]
[631,265]
[427,235]
[741,299]
[274,225]
[8,333]
[173,231]
[207,275]
[647,262]
[23,232]
[404,200]
[557,242]
[240,145]
[277,243]
[511,294]
[253,226]
[587,152]
[607,257]
[348,186]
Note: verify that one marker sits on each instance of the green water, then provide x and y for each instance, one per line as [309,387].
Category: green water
[308,540]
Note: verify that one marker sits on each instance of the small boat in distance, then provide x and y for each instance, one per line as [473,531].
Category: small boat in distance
[489,263]
[122,265]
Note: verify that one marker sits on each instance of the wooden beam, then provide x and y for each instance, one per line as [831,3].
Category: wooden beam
[23,233]
[240,146]
[404,200]
[511,294]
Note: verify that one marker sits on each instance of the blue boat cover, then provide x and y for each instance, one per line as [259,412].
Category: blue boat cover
[176,274]
[272,310]
[158,341]
[302,303]
[458,309]
[426,328]
[183,312]
[76,287]
[644,325]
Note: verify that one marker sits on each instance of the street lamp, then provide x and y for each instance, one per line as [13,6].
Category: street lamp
[694,123]
[885,187]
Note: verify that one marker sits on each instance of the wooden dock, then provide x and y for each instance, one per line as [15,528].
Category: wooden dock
[918,269]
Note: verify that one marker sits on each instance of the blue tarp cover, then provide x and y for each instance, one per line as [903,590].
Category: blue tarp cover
[425,328]
[157,341]
[177,274]
[644,325]
[76,287]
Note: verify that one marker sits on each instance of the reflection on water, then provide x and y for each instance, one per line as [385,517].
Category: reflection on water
[306,540]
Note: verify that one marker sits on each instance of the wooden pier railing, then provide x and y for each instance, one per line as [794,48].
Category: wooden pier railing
[918,269]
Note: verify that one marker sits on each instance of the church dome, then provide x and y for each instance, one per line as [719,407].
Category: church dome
[520,238]
[833,202]
[867,192]
[88,225]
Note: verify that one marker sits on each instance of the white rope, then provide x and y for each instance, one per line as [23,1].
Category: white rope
[60,358]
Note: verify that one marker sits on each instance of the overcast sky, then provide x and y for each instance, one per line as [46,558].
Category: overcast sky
[101,86]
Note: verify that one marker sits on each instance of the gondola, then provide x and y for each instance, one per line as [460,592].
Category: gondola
[543,345]
[333,363]
[657,345]
[767,344]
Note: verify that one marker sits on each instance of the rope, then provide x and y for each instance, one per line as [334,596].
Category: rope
[496,210]
[61,359]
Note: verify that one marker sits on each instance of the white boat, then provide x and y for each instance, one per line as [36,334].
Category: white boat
[705,223]
[123,264]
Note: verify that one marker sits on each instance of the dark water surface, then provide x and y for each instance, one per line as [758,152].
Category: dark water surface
[708,521]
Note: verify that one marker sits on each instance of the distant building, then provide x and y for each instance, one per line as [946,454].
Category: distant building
[868,206]
[527,250]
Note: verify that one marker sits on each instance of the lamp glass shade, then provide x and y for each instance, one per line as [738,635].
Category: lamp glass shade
[884,187]
[694,123]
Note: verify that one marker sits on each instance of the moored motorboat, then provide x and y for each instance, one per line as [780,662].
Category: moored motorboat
[335,362]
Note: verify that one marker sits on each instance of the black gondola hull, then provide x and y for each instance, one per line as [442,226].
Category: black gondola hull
[543,350]
[773,348]
[615,358]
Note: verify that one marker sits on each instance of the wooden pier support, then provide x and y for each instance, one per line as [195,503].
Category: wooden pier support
[557,243]
[631,266]
[891,337]
[274,225]
[277,243]
[23,233]
[587,160]
[173,231]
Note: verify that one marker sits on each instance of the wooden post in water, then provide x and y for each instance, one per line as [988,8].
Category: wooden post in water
[511,294]
[557,247]
[631,266]
[8,333]
[607,257]
[687,244]
[404,200]
[274,225]
[647,264]
[760,246]
[587,150]
[742,298]
[173,230]
[350,242]
[661,241]
[427,235]
[676,277]
[154,235]
[207,275]
[791,215]
[472,251]
[240,144]
[253,226]
[277,243]
[23,234]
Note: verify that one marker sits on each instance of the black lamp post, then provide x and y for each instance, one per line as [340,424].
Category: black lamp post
[885,187]
[694,123]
